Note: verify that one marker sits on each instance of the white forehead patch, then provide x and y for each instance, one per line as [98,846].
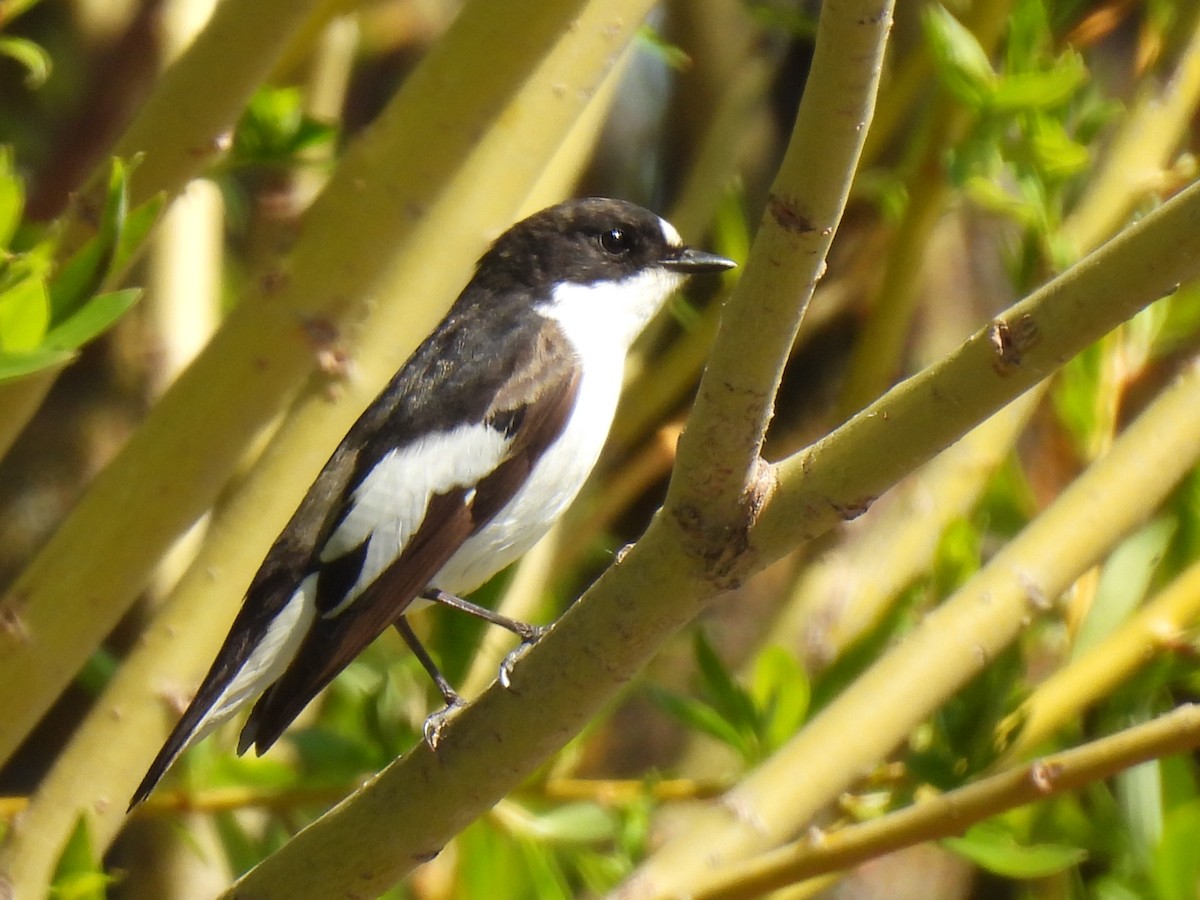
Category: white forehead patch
[670,234]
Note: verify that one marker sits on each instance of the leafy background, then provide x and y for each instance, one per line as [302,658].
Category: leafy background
[1010,139]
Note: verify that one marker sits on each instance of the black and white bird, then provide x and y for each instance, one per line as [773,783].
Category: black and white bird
[460,465]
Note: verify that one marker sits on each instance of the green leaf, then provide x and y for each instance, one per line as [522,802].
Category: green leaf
[1176,869]
[781,691]
[1124,581]
[1030,36]
[990,195]
[78,875]
[961,63]
[1075,391]
[571,823]
[95,317]
[993,847]
[701,717]
[24,316]
[83,274]
[13,367]
[137,228]
[12,198]
[1023,91]
[1170,324]
[672,55]
[36,61]
[1057,155]
[726,695]
[274,129]
[1139,793]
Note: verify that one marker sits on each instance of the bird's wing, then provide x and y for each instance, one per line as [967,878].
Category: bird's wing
[373,577]
[269,596]
[307,574]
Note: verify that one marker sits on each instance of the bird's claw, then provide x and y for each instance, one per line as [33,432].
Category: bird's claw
[436,722]
[535,634]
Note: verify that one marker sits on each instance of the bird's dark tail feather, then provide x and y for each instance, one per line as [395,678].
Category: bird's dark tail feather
[176,743]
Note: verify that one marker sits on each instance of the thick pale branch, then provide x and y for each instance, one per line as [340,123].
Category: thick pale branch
[1025,344]
[715,484]
[950,646]
[660,584]
[487,99]
[849,590]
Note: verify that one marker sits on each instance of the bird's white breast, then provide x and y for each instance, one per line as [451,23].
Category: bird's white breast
[600,321]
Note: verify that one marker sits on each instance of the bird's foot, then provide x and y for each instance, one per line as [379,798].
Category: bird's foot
[530,635]
[436,722]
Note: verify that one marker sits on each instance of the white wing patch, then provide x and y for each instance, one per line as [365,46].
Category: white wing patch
[390,503]
[267,661]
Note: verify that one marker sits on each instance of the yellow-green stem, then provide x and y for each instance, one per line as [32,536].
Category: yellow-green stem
[880,708]
[949,814]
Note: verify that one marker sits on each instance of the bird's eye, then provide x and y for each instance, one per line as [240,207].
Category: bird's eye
[616,241]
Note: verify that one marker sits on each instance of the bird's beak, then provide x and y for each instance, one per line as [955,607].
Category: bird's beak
[691,261]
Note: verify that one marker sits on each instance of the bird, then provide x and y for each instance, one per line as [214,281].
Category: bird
[464,460]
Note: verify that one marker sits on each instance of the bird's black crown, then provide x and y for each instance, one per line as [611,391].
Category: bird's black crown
[581,241]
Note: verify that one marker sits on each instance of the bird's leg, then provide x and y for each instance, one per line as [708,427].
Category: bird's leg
[435,722]
[529,634]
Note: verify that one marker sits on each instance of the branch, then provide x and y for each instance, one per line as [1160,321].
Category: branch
[182,126]
[351,849]
[848,590]
[1019,348]
[950,814]
[950,646]
[176,135]
[493,105]
[717,483]
[1143,146]
[1160,625]
[661,584]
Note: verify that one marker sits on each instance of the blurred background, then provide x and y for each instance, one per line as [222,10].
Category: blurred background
[1012,136]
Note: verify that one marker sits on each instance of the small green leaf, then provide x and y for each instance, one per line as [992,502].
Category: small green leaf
[701,717]
[1030,36]
[138,223]
[961,63]
[781,692]
[83,274]
[13,367]
[12,198]
[274,129]
[571,823]
[78,875]
[1139,794]
[1176,868]
[1124,581]
[992,847]
[36,61]
[726,695]
[1176,320]
[1056,153]
[24,316]
[672,55]
[1023,91]
[96,317]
